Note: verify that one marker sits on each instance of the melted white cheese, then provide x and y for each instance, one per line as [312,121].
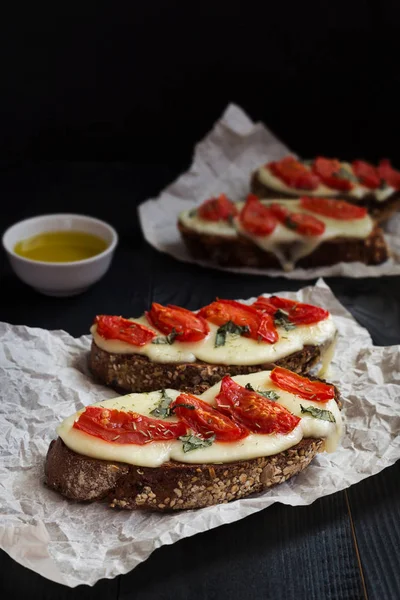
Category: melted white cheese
[190,219]
[289,246]
[237,350]
[155,454]
[357,192]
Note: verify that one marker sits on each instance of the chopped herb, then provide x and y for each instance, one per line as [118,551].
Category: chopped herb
[383,185]
[345,174]
[163,409]
[281,319]
[193,442]
[192,213]
[269,394]
[167,339]
[319,413]
[290,224]
[229,327]
[183,405]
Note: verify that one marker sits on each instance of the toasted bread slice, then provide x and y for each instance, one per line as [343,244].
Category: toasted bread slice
[90,462]
[174,486]
[239,251]
[379,210]
[136,373]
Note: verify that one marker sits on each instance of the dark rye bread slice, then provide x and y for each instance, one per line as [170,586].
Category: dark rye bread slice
[174,485]
[136,373]
[238,251]
[379,211]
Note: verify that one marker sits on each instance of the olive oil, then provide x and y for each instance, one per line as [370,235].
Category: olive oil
[60,246]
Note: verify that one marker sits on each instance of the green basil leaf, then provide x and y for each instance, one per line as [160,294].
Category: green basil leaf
[269,394]
[183,405]
[228,327]
[193,442]
[345,174]
[319,413]
[281,319]
[163,409]
[167,339]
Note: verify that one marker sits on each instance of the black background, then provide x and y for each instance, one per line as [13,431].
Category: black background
[143,81]
[110,98]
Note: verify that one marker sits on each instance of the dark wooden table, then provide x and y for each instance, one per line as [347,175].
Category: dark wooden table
[344,546]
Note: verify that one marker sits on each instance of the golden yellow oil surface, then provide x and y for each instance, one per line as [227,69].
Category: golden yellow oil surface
[60,246]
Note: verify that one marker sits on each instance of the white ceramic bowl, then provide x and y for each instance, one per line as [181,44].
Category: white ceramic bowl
[67,278]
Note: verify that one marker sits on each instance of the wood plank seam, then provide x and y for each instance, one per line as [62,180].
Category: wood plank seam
[353,532]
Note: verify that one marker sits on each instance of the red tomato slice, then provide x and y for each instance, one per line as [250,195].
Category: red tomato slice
[300,313]
[217,209]
[265,305]
[367,174]
[294,173]
[206,420]
[188,326]
[252,410]
[305,224]
[118,328]
[122,427]
[328,170]
[301,386]
[297,312]
[222,311]
[279,211]
[257,218]
[334,209]
[267,330]
[390,175]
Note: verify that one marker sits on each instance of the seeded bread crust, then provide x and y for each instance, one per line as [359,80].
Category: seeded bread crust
[239,251]
[174,485]
[379,211]
[136,373]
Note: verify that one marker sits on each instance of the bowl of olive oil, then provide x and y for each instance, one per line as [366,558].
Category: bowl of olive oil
[60,254]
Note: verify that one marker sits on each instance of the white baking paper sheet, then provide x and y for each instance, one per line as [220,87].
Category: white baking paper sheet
[44,378]
[223,162]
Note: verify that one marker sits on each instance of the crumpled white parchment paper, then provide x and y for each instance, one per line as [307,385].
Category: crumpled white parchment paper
[44,378]
[223,162]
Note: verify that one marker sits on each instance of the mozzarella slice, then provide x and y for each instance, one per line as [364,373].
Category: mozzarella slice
[154,454]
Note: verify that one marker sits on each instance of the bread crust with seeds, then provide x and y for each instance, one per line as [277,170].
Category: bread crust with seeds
[239,251]
[174,485]
[137,373]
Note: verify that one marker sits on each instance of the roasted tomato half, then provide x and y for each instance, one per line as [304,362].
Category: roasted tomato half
[305,224]
[332,174]
[254,411]
[189,327]
[301,386]
[259,325]
[205,420]
[334,209]
[121,427]
[297,312]
[257,218]
[389,174]
[294,173]
[118,328]
[217,209]
[367,174]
